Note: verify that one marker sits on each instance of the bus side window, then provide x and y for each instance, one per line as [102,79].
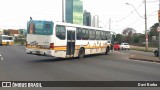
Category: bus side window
[79,33]
[61,32]
[83,34]
[92,34]
[86,34]
[107,35]
[97,35]
[103,35]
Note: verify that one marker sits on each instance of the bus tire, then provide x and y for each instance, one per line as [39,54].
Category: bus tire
[7,43]
[81,53]
[107,49]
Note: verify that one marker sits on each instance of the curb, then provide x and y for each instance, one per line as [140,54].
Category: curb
[144,58]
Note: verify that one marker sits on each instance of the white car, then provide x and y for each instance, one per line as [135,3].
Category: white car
[125,46]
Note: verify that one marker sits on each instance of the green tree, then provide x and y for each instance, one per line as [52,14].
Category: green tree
[128,33]
[135,38]
[119,38]
[153,30]
[6,32]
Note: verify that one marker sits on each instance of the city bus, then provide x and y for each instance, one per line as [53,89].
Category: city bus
[6,40]
[65,40]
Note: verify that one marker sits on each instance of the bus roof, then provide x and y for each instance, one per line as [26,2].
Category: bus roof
[71,25]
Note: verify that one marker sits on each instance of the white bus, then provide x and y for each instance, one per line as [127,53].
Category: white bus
[65,40]
[6,40]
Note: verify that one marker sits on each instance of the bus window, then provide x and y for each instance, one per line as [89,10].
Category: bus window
[10,38]
[40,27]
[48,26]
[97,35]
[102,35]
[83,34]
[86,34]
[61,32]
[92,34]
[47,29]
[79,33]
[108,35]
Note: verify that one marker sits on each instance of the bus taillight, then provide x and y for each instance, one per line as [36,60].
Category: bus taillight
[51,45]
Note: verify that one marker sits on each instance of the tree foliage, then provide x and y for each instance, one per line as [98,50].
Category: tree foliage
[6,32]
[153,30]
[119,38]
[128,31]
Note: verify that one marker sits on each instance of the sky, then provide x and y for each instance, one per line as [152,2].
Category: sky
[14,14]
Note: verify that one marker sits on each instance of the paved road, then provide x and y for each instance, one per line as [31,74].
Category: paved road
[17,65]
[136,52]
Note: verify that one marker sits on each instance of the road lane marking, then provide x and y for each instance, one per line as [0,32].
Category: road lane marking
[1,57]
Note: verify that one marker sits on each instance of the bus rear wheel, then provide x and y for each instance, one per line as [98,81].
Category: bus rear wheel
[107,50]
[81,53]
[7,43]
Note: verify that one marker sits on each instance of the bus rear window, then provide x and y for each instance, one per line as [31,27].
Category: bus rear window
[40,28]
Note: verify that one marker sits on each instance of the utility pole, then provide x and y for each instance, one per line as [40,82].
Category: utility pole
[110,24]
[63,11]
[146,25]
[145,17]
[159,26]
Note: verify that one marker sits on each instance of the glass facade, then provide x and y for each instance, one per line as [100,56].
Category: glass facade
[74,11]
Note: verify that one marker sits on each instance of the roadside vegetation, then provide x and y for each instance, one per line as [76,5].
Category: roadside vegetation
[138,40]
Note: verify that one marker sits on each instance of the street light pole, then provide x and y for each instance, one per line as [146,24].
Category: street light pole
[135,10]
[145,17]
[146,25]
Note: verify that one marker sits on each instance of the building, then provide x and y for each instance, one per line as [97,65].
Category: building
[86,18]
[23,32]
[74,11]
[1,31]
[95,21]
[13,32]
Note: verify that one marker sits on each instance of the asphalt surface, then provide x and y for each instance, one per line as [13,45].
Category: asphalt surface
[16,65]
[140,55]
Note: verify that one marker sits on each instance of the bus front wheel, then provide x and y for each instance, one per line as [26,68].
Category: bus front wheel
[81,53]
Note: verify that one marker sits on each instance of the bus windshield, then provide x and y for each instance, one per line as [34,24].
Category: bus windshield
[40,27]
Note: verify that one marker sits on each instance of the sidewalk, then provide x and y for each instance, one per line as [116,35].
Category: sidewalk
[144,57]
[142,48]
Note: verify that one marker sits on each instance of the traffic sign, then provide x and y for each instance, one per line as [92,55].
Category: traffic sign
[158,29]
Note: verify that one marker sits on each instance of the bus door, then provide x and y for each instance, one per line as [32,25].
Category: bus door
[70,41]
